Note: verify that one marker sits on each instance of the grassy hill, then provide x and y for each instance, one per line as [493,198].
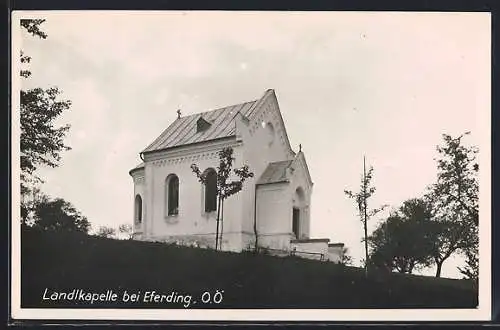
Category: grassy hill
[62,262]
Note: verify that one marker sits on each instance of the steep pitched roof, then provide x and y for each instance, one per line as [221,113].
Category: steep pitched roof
[275,172]
[184,130]
[300,156]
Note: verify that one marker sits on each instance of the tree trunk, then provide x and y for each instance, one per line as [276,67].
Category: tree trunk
[366,246]
[255,221]
[439,265]
[366,216]
[410,267]
[221,222]
[218,216]
[256,245]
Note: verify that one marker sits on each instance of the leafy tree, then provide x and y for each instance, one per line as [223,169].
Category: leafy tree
[126,229]
[58,215]
[456,203]
[106,232]
[457,185]
[32,26]
[471,268]
[225,188]
[41,141]
[41,144]
[404,241]
[448,236]
[361,198]
[28,206]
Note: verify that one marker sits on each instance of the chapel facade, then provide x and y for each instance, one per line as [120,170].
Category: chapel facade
[274,206]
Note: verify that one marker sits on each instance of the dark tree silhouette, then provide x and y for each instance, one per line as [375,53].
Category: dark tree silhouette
[456,204]
[404,241]
[41,142]
[58,215]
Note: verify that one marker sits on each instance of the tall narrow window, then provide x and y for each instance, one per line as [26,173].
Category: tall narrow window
[296,222]
[172,195]
[297,215]
[211,191]
[138,209]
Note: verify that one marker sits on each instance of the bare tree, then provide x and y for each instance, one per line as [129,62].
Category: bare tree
[361,199]
[225,188]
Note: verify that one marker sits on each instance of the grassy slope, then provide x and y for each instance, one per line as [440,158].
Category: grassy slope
[64,262]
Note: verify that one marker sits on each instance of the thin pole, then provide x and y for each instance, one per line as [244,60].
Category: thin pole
[221,222]
[218,215]
[365,215]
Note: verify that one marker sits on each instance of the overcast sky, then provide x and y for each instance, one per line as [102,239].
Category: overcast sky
[384,85]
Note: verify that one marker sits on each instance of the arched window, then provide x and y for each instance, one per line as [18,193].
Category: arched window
[172,195]
[210,190]
[138,209]
[269,133]
[298,213]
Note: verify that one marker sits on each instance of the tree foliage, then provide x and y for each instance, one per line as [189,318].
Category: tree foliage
[58,215]
[471,268]
[106,232]
[41,141]
[32,26]
[346,259]
[457,186]
[225,188]
[447,236]
[41,144]
[456,203]
[127,230]
[404,242]
[443,223]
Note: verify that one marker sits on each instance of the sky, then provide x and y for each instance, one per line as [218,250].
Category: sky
[383,85]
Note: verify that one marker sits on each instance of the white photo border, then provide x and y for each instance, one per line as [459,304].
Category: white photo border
[481,313]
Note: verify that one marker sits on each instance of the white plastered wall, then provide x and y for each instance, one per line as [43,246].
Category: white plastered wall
[260,149]
[191,225]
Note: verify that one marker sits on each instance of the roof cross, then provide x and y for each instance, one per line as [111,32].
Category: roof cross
[179,113]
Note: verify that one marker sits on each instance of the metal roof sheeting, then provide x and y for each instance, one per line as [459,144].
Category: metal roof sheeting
[138,167]
[275,172]
[184,130]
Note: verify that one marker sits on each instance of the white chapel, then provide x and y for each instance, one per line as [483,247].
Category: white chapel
[171,205]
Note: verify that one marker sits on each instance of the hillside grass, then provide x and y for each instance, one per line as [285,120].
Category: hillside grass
[62,262]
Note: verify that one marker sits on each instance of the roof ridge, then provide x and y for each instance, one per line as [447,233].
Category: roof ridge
[260,101]
[180,131]
[282,161]
[217,109]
